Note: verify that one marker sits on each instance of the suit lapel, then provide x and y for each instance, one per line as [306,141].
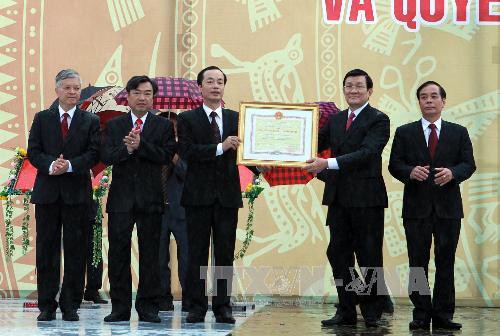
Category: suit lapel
[359,120]
[419,138]
[56,124]
[74,125]
[127,122]
[205,124]
[363,115]
[339,128]
[226,124]
[149,126]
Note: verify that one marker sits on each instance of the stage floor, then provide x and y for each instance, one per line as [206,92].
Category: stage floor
[271,319]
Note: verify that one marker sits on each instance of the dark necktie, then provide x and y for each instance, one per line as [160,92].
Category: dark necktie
[433,141]
[64,125]
[349,121]
[138,126]
[215,128]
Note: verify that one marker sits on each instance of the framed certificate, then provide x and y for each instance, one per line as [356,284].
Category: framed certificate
[277,134]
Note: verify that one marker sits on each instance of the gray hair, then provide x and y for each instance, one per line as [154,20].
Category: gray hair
[65,74]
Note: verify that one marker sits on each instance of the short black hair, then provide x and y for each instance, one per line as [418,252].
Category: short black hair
[359,72]
[199,79]
[134,82]
[442,92]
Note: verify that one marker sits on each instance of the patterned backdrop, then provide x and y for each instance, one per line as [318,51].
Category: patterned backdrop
[272,51]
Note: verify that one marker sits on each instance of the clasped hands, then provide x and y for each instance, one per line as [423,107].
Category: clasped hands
[442,176]
[59,166]
[132,141]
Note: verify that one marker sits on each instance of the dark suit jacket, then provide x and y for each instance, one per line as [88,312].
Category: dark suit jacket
[208,177]
[81,146]
[359,181]
[454,151]
[136,179]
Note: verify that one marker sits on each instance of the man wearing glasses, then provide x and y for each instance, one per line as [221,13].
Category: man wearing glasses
[356,196]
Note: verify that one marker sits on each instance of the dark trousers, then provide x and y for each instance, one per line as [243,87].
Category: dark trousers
[419,233]
[201,221]
[94,273]
[176,226]
[356,233]
[120,226]
[50,219]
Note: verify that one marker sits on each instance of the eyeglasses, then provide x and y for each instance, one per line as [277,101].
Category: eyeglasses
[354,87]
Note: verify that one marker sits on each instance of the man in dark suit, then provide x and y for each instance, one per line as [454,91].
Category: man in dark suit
[211,197]
[63,145]
[137,144]
[356,197]
[173,222]
[432,157]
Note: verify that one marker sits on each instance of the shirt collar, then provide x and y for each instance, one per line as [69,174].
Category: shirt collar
[208,110]
[426,123]
[134,118]
[356,112]
[71,112]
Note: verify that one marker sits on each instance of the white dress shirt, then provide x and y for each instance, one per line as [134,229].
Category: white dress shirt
[332,162]
[427,130]
[218,120]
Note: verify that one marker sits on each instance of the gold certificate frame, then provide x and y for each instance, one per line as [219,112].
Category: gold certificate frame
[277,134]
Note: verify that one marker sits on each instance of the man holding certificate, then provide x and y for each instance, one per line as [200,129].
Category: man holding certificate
[356,197]
[208,139]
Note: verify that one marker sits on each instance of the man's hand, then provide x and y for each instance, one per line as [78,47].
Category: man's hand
[231,142]
[443,176]
[419,173]
[316,165]
[60,166]
[132,141]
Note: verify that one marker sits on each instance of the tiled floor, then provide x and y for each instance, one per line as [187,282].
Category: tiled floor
[306,320]
[15,320]
[273,319]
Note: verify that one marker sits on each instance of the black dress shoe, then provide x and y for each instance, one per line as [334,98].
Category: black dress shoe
[225,318]
[195,318]
[149,317]
[339,319]
[70,315]
[46,316]
[165,305]
[117,317]
[95,297]
[419,325]
[445,324]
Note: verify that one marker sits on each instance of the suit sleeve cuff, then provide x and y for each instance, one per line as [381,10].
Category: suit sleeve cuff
[332,163]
